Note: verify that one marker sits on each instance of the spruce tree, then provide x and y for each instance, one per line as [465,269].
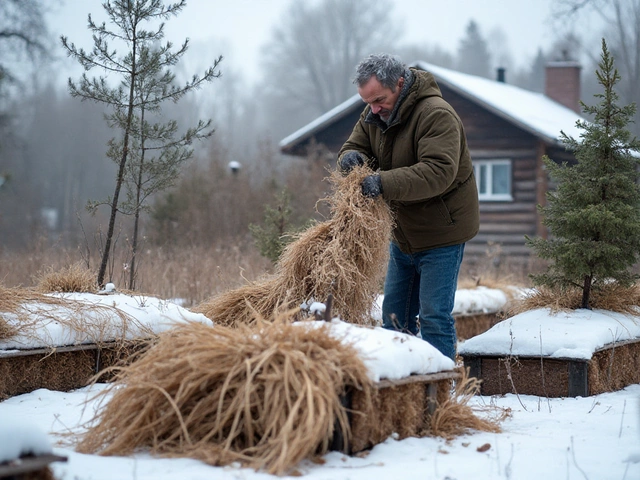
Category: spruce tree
[473,53]
[593,214]
[146,81]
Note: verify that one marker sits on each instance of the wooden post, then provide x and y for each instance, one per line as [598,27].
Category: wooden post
[578,379]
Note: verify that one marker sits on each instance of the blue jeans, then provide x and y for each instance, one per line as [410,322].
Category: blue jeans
[423,285]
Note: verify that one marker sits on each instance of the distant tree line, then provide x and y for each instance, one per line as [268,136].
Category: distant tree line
[53,147]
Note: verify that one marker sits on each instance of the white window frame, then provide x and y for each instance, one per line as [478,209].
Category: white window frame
[489,164]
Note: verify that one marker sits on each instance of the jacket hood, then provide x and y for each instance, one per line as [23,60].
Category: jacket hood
[419,84]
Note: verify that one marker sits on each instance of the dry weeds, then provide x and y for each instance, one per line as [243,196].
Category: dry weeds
[344,256]
[455,416]
[74,278]
[191,273]
[266,396]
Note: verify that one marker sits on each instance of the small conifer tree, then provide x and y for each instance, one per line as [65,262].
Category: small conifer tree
[593,215]
[147,150]
[271,238]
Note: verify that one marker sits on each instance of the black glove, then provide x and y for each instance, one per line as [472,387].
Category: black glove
[371,186]
[350,160]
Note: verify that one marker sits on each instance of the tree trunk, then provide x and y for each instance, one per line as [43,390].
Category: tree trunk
[138,206]
[120,178]
[586,291]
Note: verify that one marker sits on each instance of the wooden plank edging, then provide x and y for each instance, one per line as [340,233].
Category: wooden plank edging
[426,378]
[28,464]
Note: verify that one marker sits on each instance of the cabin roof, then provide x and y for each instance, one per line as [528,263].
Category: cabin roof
[533,112]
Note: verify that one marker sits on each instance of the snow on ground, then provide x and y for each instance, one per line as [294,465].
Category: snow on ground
[21,437]
[593,438]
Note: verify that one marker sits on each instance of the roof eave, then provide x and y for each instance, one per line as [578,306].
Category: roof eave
[288,143]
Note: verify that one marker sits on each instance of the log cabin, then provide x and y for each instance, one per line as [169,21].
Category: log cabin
[509,130]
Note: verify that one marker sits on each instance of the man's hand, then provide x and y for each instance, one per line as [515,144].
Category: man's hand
[350,160]
[371,186]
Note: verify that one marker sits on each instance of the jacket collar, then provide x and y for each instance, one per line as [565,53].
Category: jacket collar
[409,79]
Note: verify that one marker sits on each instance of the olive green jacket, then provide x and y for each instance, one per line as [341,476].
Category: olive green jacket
[424,165]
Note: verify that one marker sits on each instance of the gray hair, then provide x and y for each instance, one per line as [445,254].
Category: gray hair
[388,69]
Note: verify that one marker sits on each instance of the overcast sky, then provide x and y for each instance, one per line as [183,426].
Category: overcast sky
[238,28]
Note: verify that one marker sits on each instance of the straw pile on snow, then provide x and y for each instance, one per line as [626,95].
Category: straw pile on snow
[23,304]
[344,256]
[15,302]
[24,312]
[265,395]
[455,416]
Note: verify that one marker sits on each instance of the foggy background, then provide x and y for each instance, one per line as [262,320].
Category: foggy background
[285,63]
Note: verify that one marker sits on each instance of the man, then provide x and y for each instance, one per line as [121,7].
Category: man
[415,142]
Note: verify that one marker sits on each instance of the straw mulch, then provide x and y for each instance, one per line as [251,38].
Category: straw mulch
[455,416]
[24,311]
[608,296]
[265,395]
[345,256]
[13,301]
[403,411]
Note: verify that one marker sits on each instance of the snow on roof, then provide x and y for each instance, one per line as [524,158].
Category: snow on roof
[531,111]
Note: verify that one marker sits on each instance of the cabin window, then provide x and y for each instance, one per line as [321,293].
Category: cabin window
[494,179]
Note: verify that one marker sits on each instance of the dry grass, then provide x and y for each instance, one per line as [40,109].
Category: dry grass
[609,296]
[24,312]
[344,256]
[12,302]
[455,416]
[191,273]
[266,396]
[74,278]
[6,330]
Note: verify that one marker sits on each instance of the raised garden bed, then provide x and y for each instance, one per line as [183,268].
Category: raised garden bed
[611,368]
[470,325]
[30,467]
[60,368]
[402,407]
[556,354]
[60,341]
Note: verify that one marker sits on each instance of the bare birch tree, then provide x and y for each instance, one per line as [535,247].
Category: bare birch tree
[311,58]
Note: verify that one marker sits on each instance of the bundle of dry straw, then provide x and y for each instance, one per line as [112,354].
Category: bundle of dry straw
[265,395]
[455,416]
[344,256]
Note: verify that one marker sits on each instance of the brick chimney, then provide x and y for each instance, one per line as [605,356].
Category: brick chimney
[562,83]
